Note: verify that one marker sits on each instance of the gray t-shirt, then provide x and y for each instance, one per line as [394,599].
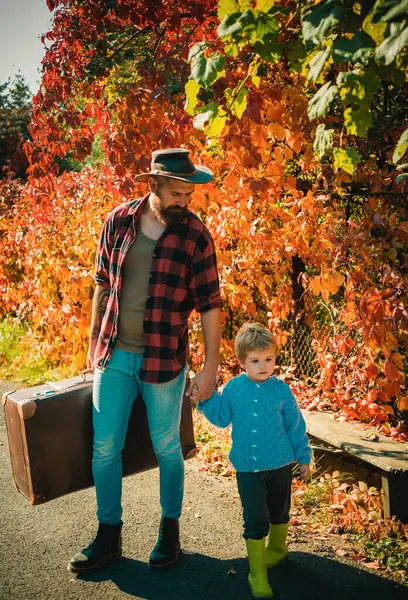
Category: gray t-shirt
[135,282]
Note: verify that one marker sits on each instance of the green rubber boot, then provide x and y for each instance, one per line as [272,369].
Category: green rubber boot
[276,549]
[258,576]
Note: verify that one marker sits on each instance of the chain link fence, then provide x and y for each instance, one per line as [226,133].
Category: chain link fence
[298,352]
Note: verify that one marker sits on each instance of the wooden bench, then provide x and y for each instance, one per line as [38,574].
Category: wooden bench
[385,456]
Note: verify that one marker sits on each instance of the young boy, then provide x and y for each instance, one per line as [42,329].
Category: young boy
[268,435]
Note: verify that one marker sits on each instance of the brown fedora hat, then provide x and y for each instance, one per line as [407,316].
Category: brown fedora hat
[176,164]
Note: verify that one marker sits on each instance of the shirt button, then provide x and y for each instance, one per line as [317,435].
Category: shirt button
[254,446]
[254,431]
[255,400]
[254,457]
[254,414]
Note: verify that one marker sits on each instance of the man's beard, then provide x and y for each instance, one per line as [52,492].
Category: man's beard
[171,215]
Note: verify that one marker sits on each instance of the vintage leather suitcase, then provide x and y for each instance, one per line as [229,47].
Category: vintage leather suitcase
[50,438]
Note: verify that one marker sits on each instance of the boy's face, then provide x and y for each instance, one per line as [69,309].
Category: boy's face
[259,364]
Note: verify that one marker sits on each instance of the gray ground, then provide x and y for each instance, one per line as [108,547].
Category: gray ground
[37,542]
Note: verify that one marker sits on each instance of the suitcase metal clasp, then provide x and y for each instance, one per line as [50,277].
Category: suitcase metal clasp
[45,393]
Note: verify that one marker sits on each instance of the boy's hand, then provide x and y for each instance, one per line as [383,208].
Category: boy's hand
[202,385]
[193,393]
[304,471]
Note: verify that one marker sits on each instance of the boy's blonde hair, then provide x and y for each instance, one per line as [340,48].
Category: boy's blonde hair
[253,336]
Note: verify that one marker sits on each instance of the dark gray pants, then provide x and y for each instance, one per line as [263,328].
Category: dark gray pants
[265,498]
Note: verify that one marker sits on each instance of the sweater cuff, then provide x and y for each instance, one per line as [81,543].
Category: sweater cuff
[305,459]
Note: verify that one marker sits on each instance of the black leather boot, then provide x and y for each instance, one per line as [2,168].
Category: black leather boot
[167,550]
[105,548]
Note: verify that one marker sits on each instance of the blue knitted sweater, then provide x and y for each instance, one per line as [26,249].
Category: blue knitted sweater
[268,429]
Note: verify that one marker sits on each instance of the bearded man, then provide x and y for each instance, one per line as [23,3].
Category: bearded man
[155,263]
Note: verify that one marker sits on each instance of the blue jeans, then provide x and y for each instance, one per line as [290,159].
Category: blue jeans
[114,391]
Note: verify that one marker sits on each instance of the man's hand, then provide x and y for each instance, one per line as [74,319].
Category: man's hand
[99,304]
[202,385]
[91,356]
[304,471]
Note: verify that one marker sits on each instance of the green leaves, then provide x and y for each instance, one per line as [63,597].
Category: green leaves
[265,25]
[211,118]
[214,115]
[393,44]
[401,147]
[236,23]
[319,104]
[355,50]
[268,49]
[208,112]
[358,121]
[237,102]
[265,5]
[323,141]
[357,86]
[390,10]
[255,27]
[192,88]
[317,63]
[258,28]
[227,7]
[296,55]
[205,71]
[320,20]
[401,177]
[355,43]
[346,160]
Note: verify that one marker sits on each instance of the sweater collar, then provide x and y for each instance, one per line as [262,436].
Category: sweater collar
[271,379]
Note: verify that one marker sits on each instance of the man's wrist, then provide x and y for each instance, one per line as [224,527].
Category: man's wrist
[211,365]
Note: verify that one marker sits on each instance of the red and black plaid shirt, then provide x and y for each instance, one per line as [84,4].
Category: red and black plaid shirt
[183,276]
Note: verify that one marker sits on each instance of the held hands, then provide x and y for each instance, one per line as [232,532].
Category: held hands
[202,385]
[304,472]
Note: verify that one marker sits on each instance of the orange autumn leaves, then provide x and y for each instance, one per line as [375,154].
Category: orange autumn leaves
[327,283]
[46,269]
[272,200]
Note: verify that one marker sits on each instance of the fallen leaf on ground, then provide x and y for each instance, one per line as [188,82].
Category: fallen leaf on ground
[372,565]
[332,530]
[356,557]
[373,437]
